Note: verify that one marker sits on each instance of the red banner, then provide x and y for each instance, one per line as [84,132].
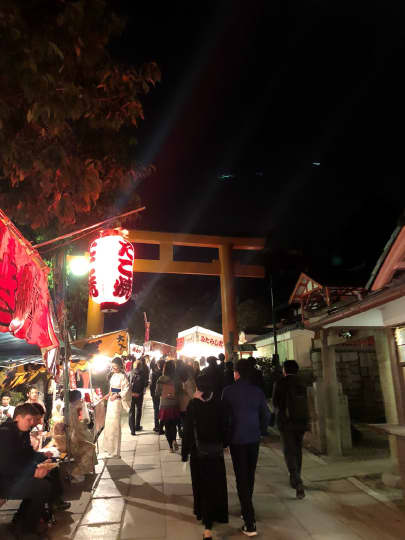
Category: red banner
[24,295]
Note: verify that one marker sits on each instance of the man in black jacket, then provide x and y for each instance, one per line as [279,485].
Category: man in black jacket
[139,379]
[21,474]
[290,402]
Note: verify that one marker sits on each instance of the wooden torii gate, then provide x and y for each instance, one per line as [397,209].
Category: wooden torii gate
[225,268]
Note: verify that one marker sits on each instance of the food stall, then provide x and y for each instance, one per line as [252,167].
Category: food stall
[197,342]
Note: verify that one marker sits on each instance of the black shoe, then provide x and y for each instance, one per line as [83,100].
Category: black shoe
[249,531]
[138,428]
[60,506]
[300,491]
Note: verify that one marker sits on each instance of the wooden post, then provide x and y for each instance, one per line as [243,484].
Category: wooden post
[332,417]
[229,325]
[95,319]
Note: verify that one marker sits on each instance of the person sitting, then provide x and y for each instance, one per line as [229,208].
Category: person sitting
[33,396]
[82,447]
[6,410]
[56,501]
[23,471]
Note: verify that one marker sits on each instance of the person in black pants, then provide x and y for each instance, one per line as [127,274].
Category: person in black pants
[156,372]
[290,402]
[22,475]
[248,416]
[138,383]
[204,424]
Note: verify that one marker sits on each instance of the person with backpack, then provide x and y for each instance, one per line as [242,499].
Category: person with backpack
[169,413]
[291,405]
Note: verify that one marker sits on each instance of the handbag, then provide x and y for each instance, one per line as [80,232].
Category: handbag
[206,449]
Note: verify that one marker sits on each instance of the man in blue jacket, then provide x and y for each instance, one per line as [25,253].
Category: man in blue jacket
[248,417]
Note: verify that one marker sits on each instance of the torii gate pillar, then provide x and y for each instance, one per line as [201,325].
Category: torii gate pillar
[228,304]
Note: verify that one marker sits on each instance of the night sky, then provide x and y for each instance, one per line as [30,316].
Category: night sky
[279,119]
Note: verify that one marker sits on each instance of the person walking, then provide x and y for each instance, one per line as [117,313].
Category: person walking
[138,381]
[228,374]
[156,372]
[291,405]
[256,375]
[216,374]
[186,393]
[248,416]
[204,439]
[169,413]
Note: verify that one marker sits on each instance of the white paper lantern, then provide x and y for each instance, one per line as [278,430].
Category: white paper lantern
[111,274]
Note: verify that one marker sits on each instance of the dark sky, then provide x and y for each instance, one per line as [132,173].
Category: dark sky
[262,91]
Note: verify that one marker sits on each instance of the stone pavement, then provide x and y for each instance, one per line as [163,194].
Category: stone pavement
[146,495]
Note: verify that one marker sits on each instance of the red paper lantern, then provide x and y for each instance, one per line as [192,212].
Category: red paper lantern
[111,274]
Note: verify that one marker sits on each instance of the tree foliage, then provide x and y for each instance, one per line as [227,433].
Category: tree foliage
[253,313]
[66,111]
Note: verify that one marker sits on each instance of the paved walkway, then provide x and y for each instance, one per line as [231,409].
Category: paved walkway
[147,495]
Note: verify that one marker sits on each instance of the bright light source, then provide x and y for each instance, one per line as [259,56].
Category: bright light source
[78,265]
[100,363]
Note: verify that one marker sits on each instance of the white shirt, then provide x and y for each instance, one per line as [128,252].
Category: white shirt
[4,411]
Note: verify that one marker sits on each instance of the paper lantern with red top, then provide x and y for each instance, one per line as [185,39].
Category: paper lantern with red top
[111,275]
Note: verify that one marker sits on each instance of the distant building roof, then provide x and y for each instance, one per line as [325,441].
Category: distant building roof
[391,261]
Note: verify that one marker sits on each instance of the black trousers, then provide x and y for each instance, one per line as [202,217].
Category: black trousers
[170,431]
[35,492]
[291,439]
[244,460]
[135,422]
[156,406]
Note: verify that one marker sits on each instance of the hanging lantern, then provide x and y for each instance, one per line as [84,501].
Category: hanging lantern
[111,274]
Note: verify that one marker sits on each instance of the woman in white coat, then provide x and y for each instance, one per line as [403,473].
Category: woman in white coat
[117,400]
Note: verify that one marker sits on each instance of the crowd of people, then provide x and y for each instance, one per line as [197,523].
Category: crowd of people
[221,407]
[217,407]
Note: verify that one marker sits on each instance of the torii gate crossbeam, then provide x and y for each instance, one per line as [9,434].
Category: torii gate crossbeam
[225,268]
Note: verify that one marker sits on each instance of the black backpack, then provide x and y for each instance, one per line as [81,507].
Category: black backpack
[296,410]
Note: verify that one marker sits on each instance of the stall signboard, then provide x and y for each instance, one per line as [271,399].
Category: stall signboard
[197,341]
[24,295]
[110,344]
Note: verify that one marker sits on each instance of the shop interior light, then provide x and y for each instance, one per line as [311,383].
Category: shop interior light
[78,265]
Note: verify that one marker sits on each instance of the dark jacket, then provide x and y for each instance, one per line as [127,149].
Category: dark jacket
[228,374]
[18,460]
[156,373]
[216,374]
[292,384]
[257,378]
[247,411]
[210,424]
[139,379]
